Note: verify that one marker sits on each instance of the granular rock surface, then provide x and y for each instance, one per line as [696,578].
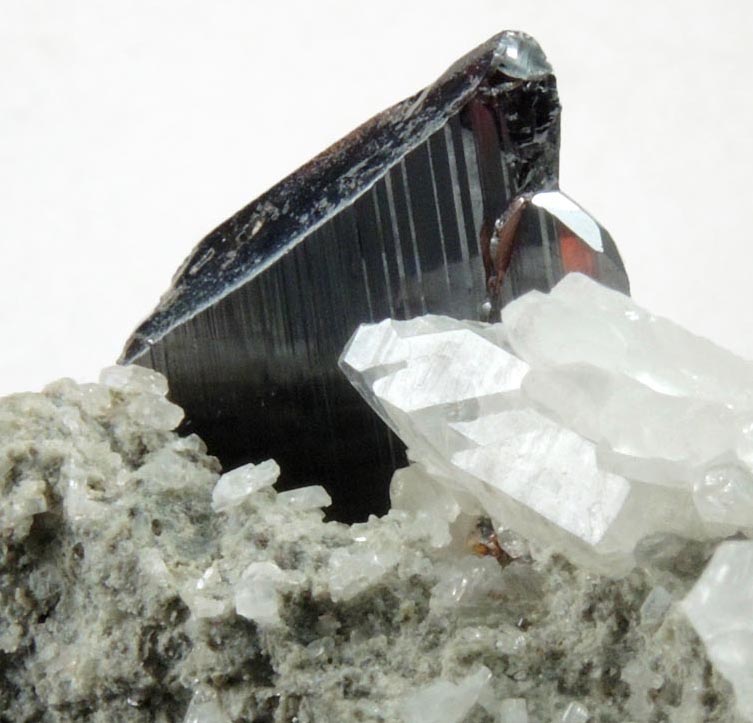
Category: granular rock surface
[129,593]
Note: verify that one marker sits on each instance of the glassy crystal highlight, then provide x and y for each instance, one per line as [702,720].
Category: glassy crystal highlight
[719,608]
[581,422]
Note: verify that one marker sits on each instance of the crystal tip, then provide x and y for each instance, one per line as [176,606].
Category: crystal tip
[519,56]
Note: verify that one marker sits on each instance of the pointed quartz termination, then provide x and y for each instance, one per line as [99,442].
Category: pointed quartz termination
[446,203]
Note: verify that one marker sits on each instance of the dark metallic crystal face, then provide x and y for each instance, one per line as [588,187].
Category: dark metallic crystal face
[410,214]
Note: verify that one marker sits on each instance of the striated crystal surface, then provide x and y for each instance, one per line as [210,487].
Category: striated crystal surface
[544,467]
[581,422]
[575,713]
[446,203]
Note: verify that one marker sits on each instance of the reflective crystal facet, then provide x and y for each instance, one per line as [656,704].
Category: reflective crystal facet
[233,487]
[575,713]
[571,423]
[257,593]
[446,203]
[719,608]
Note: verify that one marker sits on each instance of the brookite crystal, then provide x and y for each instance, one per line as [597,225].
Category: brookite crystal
[568,538]
[446,203]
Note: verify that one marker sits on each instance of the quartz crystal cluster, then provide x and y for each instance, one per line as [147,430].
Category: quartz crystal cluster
[581,421]
[139,583]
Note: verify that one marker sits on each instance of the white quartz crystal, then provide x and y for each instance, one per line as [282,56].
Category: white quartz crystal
[134,378]
[724,494]
[655,606]
[153,565]
[358,567]
[581,422]
[513,710]
[433,507]
[148,390]
[545,467]
[471,580]
[208,596]
[676,433]
[257,593]
[205,708]
[575,713]
[83,499]
[19,507]
[580,321]
[720,608]
[233,487]
[444,701]
[305,498]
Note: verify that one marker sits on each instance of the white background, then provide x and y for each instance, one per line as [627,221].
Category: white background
[130,129]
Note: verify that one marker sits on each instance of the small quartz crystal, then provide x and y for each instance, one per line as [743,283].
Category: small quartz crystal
[233,487]
[149,403]
[513,710]
[719,608]
[134,379]
[433,507]
[353,570]
[305,498]
[470,581]
[257,593]
[208,596]
[575,713]
[655,606]
[205,708]
[19,507]
[444,701]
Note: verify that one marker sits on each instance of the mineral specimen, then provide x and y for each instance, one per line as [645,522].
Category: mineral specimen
[581,421]
[446,203]
[146,604]
[137,583]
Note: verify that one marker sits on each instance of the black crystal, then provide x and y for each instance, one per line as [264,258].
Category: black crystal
[428,207]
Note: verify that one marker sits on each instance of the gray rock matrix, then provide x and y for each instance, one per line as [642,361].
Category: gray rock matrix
[106,524]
